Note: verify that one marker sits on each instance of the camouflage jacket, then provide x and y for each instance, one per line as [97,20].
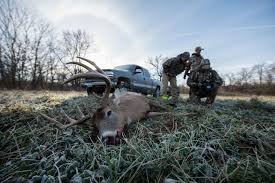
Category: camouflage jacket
[195,60]
[174,66]
[209,76]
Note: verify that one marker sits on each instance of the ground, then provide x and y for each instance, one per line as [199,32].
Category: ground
[232,141]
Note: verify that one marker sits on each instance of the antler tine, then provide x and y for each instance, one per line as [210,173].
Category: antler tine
[80,112]
[68,117]
[72,121]
[93,64]
[81,64]
[57,123]
[96,75]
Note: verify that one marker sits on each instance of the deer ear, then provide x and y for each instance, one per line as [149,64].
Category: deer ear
[93,119]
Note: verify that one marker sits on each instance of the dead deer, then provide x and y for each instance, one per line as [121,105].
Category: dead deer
[113,114]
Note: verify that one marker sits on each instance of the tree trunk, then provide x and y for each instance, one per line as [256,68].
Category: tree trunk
[1,66]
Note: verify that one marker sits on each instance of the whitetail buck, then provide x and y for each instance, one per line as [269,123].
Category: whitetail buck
[113,114]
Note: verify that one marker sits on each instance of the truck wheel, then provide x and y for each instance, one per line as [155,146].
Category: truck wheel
[124,85]
[89,91]
[157,92]
[92,91]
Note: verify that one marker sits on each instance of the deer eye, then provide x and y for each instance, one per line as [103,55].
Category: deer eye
[109,113]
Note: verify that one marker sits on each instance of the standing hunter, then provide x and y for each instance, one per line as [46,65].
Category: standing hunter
[171,68]
[196,59]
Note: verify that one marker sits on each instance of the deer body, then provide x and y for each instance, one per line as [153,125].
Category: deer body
[124,109]
[132,106]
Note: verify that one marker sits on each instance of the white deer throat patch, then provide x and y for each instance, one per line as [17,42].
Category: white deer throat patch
[109,133]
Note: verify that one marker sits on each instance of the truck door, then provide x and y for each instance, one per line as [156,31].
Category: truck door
[148,81]
[139,80]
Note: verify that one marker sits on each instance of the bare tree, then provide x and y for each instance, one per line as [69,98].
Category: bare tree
[156,65]
[30,51]
[259,70]
[76,44]
[245,75]
[269,79]
[231,78]
[1,63]
[39,53]
[273,68]
[11,19]
[21,47]
[269,74]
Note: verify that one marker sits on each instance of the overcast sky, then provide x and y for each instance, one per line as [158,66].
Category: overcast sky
[234,33]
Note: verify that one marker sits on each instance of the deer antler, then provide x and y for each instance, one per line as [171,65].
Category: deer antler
[99,74]
[96,75]
[81,64]
[93,64]
[72,121]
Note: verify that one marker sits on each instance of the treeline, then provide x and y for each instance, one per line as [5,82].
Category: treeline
[258,79]
[32,53]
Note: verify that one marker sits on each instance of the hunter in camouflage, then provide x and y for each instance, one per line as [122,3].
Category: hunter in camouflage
[204,82]
[196,59]
[171,68]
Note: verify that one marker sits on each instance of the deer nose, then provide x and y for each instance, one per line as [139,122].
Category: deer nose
[112,139]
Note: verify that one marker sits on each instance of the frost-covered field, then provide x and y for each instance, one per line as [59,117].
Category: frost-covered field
[232,141]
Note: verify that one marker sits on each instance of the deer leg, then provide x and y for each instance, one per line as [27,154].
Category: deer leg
[152,114]
[154,104]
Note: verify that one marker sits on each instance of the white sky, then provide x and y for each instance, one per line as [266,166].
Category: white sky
[234,34]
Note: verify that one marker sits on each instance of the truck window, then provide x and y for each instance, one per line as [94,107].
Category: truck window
[124,67]
[139,73]
[139,70]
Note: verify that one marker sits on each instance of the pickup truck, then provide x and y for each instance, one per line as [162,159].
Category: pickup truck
[131,77]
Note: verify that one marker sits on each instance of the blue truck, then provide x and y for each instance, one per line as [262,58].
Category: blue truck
[131,77]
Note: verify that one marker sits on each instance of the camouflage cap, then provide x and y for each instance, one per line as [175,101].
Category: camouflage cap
[185,55]
[198,48]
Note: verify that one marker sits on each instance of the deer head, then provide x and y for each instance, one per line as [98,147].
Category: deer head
[106,118]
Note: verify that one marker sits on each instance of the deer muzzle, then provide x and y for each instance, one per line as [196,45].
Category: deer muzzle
[112,137]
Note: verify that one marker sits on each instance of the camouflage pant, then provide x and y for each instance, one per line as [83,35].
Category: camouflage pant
[195,96]
[173,84]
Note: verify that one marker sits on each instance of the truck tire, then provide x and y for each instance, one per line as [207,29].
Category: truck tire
[89,91]
[92,91]
[157,92]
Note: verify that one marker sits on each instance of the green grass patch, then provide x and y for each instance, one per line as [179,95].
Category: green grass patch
[232,141]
